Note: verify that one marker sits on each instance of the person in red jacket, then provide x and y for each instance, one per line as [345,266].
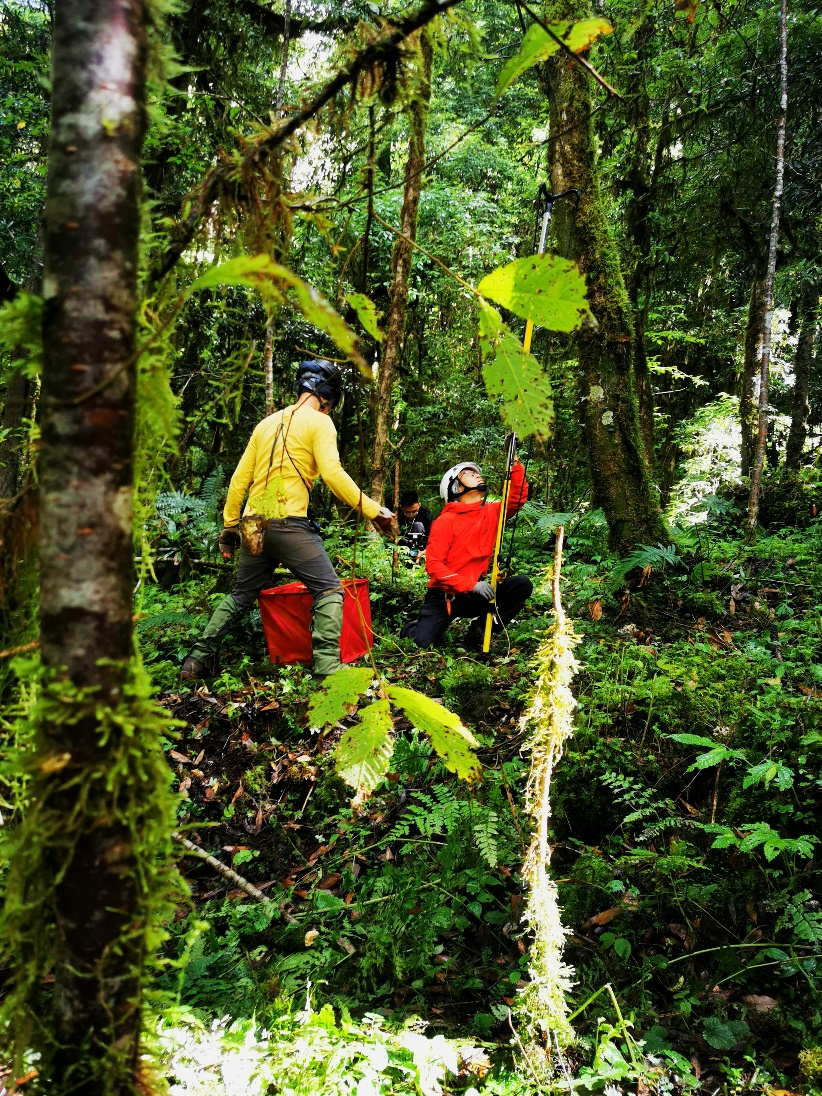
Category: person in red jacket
[460,547]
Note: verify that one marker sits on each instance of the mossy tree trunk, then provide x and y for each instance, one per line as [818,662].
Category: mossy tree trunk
[85,860]
[802,370]
[618,463]
[401,266]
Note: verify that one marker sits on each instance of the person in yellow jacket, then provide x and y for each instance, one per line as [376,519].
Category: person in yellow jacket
[286,453]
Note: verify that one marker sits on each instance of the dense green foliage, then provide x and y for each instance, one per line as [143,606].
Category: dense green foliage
[684,833]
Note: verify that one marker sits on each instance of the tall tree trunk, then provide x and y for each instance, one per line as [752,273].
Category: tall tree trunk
[802,369]
[84,816]
[765,362]
[616,454]
[750,369]
[401,266]
[643,172]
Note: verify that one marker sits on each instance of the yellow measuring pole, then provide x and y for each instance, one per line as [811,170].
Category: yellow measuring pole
[506,487]
[506,492]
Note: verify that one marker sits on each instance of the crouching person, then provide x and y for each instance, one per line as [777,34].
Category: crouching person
[286,453]
[459,553]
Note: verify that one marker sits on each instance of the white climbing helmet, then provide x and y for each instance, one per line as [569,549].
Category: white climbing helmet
[450,481]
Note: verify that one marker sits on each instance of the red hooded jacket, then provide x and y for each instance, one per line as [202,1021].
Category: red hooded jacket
[462,538]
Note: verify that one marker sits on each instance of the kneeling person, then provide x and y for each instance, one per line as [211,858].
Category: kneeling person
[283,458]
[460,548]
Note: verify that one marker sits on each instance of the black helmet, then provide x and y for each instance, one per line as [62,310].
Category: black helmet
[321,378]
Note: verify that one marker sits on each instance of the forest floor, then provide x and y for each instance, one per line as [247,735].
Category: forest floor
[685,823]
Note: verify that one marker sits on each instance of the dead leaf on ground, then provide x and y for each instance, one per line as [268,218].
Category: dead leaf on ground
[603,918]
[180,757]
[330,881]
[759,1003]
[310,937]
[596,609]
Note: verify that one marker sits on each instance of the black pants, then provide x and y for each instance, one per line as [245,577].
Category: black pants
[434,618]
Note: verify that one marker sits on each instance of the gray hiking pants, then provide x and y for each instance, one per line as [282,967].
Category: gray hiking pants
[294,543]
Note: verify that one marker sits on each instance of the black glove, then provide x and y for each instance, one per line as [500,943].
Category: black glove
[484,589]
[230,539]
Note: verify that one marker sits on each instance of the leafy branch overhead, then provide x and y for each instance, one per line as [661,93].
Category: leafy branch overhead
[276,283]
[537,45]
[364,751]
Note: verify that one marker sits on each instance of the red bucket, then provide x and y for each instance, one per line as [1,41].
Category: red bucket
[286,612]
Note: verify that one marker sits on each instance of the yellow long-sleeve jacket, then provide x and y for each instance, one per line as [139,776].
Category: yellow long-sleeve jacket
[305,446]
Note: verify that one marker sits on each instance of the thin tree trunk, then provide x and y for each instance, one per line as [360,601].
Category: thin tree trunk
[95,897]
[750,369]
[765,362]
[268,368]
[401,266]
[617,459]
[802,369]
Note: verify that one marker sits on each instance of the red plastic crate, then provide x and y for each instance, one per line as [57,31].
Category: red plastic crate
[286,612]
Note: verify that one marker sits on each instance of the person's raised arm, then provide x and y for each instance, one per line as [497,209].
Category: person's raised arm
[518,495]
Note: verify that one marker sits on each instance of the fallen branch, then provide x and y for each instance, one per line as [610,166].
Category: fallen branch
[229,873]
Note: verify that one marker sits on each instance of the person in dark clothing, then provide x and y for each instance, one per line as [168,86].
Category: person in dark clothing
[459,553]
[415,525]
[411,513]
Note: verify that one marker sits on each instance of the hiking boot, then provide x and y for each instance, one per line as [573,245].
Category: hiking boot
[193,668]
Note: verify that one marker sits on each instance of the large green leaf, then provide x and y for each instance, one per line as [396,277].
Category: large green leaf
[273,281]
[546,289]
[340,692]
[537,46]
[255,271]
[367,314]
[449,737]
[515,377]
[363,752]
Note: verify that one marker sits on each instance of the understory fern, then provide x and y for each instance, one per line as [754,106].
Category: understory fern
[440,812]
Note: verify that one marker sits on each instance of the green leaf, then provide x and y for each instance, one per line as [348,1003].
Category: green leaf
[251,270]
[537,46]
[367,314]
[622,947]
[363,753]
[273,281]
[724,1036]
[340,692]
[693,740]
[515,377]
[714,756]
[449,737]
[546,289]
